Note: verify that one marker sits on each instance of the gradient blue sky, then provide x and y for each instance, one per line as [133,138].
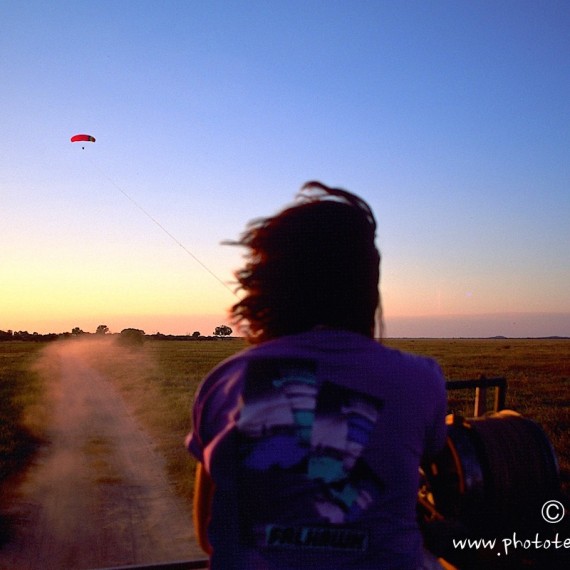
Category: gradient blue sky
[451,118]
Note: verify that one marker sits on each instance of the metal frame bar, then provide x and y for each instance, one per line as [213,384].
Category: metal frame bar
[481,384]
[179,565]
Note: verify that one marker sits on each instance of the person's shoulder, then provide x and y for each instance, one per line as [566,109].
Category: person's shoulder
[225,371]
[275,348]
[410,358]
[410,363]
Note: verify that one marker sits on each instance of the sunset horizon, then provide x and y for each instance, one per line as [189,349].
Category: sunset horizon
[508,325]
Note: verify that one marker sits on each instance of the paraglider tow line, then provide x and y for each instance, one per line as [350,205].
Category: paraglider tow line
[156,222]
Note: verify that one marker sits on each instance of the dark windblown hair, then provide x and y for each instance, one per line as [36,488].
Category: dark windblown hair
[315,263]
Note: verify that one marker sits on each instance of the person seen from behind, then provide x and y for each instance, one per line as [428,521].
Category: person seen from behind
[309,442]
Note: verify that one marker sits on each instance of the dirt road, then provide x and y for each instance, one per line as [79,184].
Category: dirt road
[98,495]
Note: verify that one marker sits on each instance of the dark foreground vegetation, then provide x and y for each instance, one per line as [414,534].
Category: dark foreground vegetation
[21,395]
[22,418]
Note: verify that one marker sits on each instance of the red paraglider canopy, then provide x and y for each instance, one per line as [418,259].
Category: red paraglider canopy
[85,138]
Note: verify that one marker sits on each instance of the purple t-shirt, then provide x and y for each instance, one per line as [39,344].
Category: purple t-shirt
[313,442]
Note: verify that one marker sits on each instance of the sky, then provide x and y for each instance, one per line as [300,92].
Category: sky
[451,118]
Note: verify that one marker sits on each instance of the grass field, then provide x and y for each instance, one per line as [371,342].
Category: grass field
[21,395]
[159,379]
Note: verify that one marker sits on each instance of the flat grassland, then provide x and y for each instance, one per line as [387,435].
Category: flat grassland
[158,381]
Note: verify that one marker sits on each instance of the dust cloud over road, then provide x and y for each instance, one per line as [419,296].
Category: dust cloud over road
[98,495]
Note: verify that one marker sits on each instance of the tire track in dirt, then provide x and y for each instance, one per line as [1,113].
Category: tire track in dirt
[98,495]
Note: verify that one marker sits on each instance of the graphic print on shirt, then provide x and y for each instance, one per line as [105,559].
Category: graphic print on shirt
[300,449]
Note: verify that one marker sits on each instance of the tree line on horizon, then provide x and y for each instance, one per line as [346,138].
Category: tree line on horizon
[222,331]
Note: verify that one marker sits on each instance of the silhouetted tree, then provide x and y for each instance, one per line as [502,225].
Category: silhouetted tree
[131,337]
[102,330]
[222,330]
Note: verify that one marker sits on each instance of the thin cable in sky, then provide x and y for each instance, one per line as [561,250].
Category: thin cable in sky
[156,222]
